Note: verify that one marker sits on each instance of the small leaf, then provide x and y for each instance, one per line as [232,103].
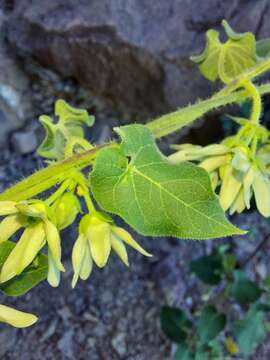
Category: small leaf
[210,324]
[243,290]
[183,353]
[250,331]
[154,196]
[227,60]
[202,355]
[263,48]
[70,114]
[69,125]
[208,268]
[29,278]
[175,324]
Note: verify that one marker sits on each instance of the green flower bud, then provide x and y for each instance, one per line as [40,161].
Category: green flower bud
[65,210]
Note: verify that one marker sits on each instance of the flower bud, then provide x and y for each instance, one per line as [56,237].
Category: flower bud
[65,210]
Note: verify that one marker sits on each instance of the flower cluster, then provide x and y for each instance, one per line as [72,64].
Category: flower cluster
[236,172]
[33,218]
[40,224]
[97,237]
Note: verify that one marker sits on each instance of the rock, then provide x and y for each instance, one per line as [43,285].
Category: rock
[119,344]
[65,344]
[15,98]
[7,340]
[24,142]
[134,53]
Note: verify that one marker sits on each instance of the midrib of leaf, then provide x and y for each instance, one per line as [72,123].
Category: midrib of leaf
[161,188]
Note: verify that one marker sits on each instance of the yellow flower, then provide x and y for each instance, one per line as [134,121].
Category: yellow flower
[16,318]
[38,230]
[231,346]
[97,238]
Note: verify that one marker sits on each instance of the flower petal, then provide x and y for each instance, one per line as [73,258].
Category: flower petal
[229,188]
[81,260]
[9,226]
[247,183]
[87,264]
[53,276]
[54,243]
[120,249]
[7,208]
[128,239]
[261,187]
[214,162]
[31,241]
[100,243]
[15,317]
[239,204]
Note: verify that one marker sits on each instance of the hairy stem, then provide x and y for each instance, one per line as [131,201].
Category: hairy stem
[174,121]
[46,178]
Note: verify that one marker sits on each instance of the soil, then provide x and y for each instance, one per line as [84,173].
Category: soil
[115,314]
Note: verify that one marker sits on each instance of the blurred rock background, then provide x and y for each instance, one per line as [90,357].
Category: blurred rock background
[122,60]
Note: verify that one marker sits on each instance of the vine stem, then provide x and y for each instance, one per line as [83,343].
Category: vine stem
[176,120]
[256,100]
[46,178]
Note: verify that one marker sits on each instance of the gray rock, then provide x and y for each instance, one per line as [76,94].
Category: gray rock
[119,344]
[24,142]
[135,53]
[15,100]
[7,340]
[65,344]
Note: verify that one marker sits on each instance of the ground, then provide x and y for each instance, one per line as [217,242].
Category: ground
[115,314]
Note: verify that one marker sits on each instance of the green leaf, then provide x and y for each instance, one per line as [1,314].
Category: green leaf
[210,323]
[208,268]
[154,196]
[250,331]
[202,356]
[5,249]
[71,115]
[263,48]
[69,125]
[183,353]
[29,278]
[226,60]
[175,324]
[243,290]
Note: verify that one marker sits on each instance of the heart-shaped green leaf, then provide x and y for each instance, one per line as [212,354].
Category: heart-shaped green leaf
[152,195]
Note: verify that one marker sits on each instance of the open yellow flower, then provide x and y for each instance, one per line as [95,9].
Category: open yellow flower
[96,240]
[38,230]
[15,317]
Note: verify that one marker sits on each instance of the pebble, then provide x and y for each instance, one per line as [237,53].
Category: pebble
[24,142]
[119,344]
[65,344]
